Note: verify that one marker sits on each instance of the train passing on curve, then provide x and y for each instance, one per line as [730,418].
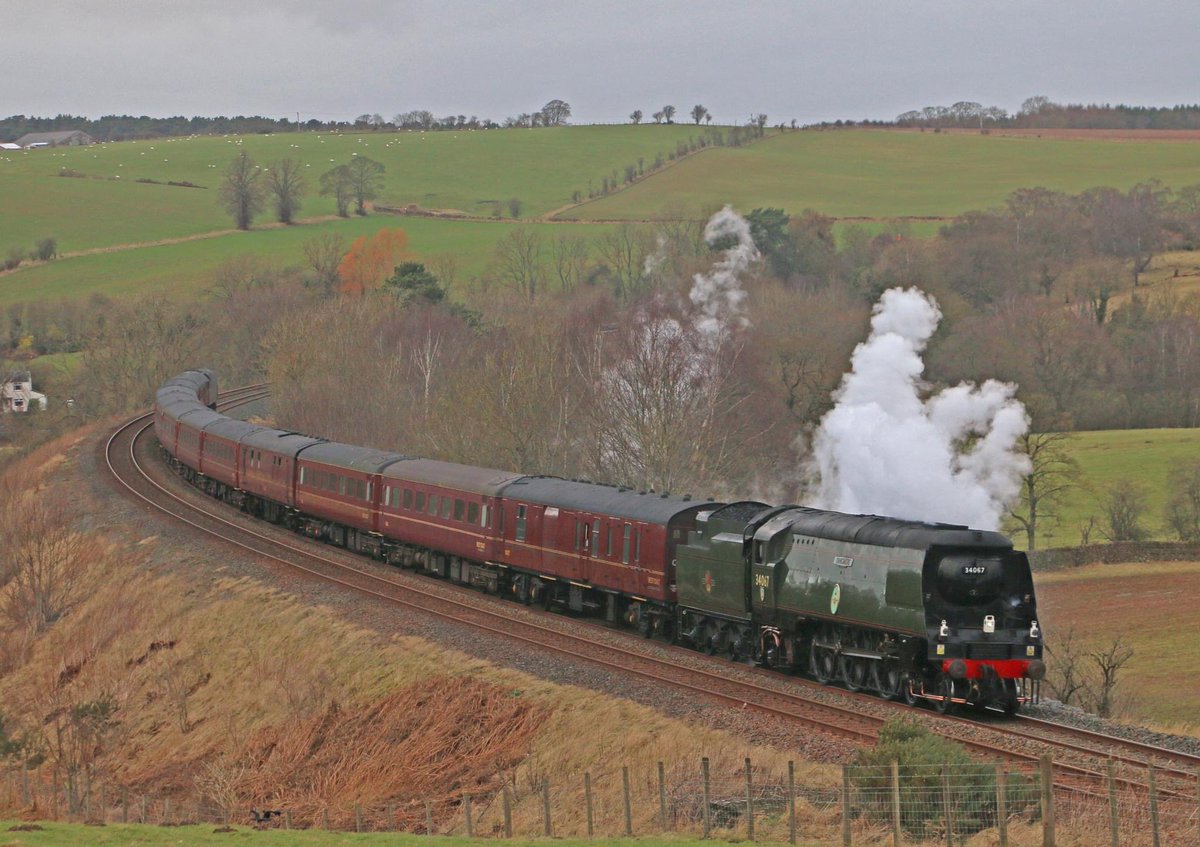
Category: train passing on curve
[908,610]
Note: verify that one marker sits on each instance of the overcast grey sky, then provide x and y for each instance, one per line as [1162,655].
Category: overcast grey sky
[812,61]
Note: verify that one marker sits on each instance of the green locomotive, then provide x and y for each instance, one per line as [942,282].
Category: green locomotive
[908,610]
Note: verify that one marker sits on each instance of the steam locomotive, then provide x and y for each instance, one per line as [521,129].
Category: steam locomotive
[908,610]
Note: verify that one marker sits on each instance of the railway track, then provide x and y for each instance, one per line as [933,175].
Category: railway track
[1081,756]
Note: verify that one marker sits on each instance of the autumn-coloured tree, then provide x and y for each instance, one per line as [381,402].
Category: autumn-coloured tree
[371,260]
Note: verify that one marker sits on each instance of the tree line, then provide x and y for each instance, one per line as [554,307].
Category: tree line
[1040,112]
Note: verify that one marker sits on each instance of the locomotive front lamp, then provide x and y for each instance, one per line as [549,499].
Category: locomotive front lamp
[1034,632]
[989,623]
[944,630]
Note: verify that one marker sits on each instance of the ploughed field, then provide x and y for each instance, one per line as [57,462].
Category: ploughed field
[1152,607]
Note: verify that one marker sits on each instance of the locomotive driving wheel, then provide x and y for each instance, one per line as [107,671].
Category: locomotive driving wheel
[886,679]
[946,690]
[822,663]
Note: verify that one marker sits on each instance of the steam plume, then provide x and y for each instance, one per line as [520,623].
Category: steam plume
[718,295]
[885,449]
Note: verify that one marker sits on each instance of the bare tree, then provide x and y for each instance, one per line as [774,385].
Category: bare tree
[658,116]
[242,190]
[286,181]
[668,113]
[1108,662]
[324,253]
[624,250]
[514,207]
[570,254]
[1052,474]
[338,184]
[635,116]
[1183,503]
[1066,676]
[698,113]
[366,181]
[518,261]
[1124,505]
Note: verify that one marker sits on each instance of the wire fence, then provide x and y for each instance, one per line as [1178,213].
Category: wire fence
[975,804]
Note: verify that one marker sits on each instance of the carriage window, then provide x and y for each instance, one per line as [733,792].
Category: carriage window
[446,504]
[637,546]
[408,498]
[579,525]
[472,513]
[608,544]
[302,470]
[596,537]
[459,508]
[364,490]
[483,516]
[433,503]
[521,522]
[420,501]
[625,549]
[387,495]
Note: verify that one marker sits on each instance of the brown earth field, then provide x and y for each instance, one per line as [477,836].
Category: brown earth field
[1086,134]
[1152,608]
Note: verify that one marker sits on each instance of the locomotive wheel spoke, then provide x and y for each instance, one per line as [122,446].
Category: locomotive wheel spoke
[946,690]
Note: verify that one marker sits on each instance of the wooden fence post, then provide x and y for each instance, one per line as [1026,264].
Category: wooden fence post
[662,796]
[287,818]
[1198,806]
[166,815]
[791,802]
[391,818]
[325,819]
[749,802]
[547,830]
[428,818]
[1002,804]
[628,802]
[467,815]
[1154,833]
[358,826]
[707,804]
[507,802]
[845,806]
[1114,813]
[896,803]
[1047,801]
[587,799]
[948,805]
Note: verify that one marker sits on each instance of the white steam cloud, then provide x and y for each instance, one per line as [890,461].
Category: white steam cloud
[886,449]
[718,295]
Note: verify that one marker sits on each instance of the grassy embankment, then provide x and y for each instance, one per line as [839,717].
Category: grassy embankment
[872,176]
[76,835]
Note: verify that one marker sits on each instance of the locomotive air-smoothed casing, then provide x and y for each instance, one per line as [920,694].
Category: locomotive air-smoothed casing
[798,575]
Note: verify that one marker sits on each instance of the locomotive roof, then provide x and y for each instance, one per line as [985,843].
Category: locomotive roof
[231,428]
[486,481]
[279,442]
[602,499]
[890,532]
[362,459]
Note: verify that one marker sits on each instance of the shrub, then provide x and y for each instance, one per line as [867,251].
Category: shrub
[15,256]
[46,249]
[922,756]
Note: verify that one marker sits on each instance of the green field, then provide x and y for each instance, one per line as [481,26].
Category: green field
[187,267]
[466,171]
[873,179]
[886,174]
[1145,456]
